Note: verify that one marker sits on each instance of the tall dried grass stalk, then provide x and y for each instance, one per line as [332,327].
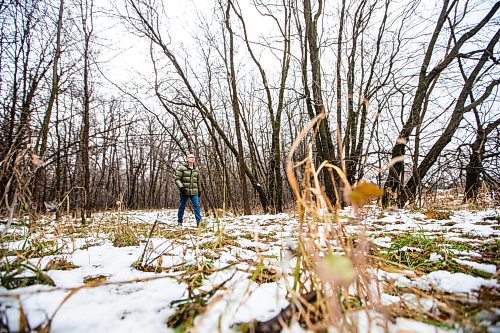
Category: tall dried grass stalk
[329,262]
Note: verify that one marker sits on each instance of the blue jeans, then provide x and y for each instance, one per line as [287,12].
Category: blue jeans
[196,208]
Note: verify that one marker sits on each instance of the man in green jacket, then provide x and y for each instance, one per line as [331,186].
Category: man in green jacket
[187,179]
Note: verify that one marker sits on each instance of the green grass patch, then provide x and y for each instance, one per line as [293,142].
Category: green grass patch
[195,304]
[124,236]
[10,274]
[424,245]
[459,246]
[490,252]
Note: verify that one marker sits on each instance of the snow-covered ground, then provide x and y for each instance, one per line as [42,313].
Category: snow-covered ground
[218,264]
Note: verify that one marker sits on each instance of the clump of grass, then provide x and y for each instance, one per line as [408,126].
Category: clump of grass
[450,311]
[77,230]
[13,270]
[100,278]
[148,268]
[263,274]
[490,247]
[247,235]
[12,274]
[413,250]
[90,244]
[328,263]
[222,241]
[124,236]
[60,264]
[38,247]
[169,234]
[456,245]
[490,251]
[418,240]
[195,274]
[187,309]
[438,214]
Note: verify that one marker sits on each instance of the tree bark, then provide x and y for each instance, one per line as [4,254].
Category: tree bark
[236,113]
[326,149]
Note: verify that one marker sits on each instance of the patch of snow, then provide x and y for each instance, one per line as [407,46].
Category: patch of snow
[389,299]
[419,303]
[134,307]
[264,303]
[382,242]
[452,282]
[248,244]
[265,218]
[244,301]
[373,322]
[481,231]
[435,256]
[492,269]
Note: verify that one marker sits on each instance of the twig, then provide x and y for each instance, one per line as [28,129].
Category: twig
[149,238]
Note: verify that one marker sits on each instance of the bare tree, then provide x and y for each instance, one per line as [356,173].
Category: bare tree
[275,177]
[144,18]
[235,104]
[475,168]
[23,67]
[395,183]
[87,12]
[324,142]
[42,148]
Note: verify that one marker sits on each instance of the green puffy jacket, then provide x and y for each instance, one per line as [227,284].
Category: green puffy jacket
[189,179]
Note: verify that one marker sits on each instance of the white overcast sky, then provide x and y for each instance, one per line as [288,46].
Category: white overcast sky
[125,57]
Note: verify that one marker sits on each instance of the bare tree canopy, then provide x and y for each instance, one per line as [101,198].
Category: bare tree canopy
[101,101]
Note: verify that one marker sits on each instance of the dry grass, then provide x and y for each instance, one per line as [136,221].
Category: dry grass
[329,270]
[124,236]
[95,279]
[59,264]
[330,263]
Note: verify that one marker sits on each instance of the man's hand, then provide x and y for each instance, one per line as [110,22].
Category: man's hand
[183,191]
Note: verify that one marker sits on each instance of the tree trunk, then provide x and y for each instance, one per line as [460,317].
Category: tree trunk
[236,113]
[456,117]
[37,198]
[326,150]
[85,132]
[474,168]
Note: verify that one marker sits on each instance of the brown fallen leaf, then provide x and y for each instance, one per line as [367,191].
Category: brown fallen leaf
[363,192]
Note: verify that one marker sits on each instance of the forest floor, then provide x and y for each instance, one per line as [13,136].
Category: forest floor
[137,271]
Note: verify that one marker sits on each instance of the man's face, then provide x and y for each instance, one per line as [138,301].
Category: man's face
[191,160]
